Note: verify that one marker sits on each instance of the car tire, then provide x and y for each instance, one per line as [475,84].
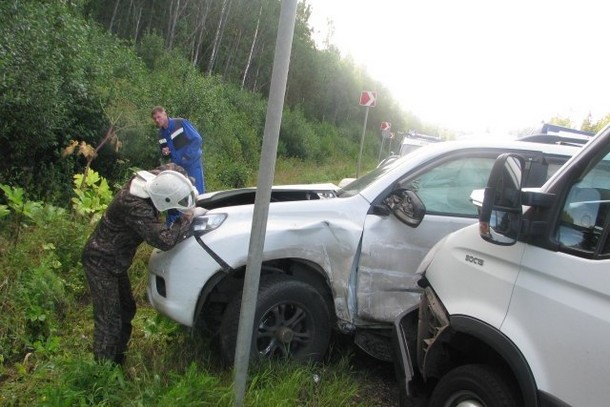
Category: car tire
[474,385]
[291,320]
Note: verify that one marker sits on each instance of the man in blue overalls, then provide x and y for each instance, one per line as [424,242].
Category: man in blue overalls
[179,139]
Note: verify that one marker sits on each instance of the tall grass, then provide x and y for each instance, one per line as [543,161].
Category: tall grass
[295,171]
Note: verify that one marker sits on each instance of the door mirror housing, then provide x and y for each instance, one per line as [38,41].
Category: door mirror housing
[501,212]
[406,206]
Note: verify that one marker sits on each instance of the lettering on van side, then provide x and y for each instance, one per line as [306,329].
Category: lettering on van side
[475,260]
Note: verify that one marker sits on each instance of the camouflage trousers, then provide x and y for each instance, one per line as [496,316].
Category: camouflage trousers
[113,310]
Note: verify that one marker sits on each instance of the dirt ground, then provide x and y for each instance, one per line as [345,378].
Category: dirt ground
[377,378]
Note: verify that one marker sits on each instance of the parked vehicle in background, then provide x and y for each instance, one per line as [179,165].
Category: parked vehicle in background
[550,129]
[412,140]
[552,133]
[347,262]
[516,309]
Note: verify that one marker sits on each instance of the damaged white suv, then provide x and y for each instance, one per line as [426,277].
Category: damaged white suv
[340,259]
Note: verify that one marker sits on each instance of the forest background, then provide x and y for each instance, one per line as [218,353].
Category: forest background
[86,73]
[78,79]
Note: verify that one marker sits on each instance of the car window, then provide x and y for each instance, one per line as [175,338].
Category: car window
[585,212]
[446,188]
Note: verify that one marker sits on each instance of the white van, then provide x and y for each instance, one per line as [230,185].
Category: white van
[516,309]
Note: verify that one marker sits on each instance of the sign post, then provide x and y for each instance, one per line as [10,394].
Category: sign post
[279,77]
[385,134]
[367,99]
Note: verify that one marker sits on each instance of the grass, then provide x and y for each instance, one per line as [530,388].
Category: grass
[294,171]
[166,366]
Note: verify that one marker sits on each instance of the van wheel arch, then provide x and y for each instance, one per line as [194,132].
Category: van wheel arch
[470,340]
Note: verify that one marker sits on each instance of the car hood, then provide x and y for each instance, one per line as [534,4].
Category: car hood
[279,193]
[293,229]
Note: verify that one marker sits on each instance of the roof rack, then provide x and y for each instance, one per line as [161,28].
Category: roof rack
[571,140]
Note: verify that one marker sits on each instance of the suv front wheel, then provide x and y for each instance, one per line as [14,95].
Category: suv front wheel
[474,385]
[291,321]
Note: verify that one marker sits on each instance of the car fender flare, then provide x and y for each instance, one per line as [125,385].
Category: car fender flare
[499,343]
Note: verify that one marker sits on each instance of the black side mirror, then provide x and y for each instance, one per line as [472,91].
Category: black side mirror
[406,206]
[501,213]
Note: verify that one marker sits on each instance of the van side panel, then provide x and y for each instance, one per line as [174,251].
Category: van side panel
[563,288]
[490,271]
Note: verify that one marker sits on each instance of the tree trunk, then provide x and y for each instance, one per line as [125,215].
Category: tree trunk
[116,6]
[138,19]
[202,16]
[231,56]
[219,34]
[252,46]
[258,71]
[176,9]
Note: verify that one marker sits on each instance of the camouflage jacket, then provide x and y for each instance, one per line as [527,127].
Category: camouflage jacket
[127,222]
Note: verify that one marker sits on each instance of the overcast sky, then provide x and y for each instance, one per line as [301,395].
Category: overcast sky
[479,65]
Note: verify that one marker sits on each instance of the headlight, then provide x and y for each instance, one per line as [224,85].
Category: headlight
[204,224]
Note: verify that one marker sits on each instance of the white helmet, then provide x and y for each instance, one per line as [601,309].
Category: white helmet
[167,190]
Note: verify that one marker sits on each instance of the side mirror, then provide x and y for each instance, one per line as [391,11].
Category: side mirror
[501,212]
[406,206]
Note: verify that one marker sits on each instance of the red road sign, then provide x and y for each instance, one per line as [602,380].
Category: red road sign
[386,126]
[368,98]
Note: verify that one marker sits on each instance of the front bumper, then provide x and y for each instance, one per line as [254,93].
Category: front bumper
[176,279]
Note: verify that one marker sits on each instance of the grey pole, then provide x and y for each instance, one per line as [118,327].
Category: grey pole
[279,77]
[366,116]
[381,147]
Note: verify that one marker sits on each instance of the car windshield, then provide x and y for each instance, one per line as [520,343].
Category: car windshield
[354,187]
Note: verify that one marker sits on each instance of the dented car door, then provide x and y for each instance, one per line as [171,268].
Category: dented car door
[392,250]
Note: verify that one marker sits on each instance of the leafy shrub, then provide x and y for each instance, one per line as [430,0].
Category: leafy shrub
[35,298]
[40,293]
[92,195]
[17,202]
[45,249]
[225,174]
[297,137]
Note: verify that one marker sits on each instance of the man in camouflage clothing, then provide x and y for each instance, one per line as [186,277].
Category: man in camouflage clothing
[132,217]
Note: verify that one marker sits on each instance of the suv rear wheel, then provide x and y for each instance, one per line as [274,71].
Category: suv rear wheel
[291,321]
[474,385]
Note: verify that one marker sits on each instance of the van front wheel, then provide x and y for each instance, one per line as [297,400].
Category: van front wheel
[474,385]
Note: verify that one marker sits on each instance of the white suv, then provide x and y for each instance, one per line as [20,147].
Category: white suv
[347,261]
[516,309]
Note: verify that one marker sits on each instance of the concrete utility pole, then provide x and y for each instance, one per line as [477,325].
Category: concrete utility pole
[279,77]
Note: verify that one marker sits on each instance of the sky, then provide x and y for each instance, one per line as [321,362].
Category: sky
[478,66]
